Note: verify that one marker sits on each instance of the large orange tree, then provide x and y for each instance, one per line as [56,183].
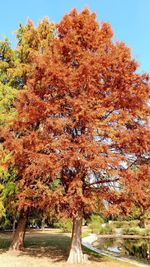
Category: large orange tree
[84,113]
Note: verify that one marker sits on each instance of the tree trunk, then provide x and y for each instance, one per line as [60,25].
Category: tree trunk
[43,224]
[142,222]
[14,225]
[75,254]
[18,238]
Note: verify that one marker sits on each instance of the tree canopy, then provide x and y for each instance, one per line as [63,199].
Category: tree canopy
[84,112]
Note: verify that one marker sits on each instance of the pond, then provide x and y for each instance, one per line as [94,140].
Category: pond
[129,247]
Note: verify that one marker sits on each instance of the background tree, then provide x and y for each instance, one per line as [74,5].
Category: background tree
[15,67]
[137,190]
[31,41]
[8,61]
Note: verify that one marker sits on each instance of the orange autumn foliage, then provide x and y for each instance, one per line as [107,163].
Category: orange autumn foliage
[84,112]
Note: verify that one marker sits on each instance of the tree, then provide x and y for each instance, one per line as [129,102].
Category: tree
[15,68]
[137,190]
[18,238]
[82,113]
[31,41]
[8,61]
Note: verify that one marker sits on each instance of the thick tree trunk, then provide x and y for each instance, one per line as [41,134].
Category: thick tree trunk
[75,254]
[18,238]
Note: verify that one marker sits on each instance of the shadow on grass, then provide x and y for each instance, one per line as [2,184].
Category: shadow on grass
[53,246]
[5,240]
[94,256]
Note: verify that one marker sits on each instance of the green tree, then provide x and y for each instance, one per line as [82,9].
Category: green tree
[8,63]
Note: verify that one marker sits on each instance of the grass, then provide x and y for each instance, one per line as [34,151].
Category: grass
[86,231]
[48,248]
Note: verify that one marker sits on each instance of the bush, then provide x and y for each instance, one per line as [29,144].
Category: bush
[132,231]
[5,224]
[120,224]
[133,223]
[65,225]
[107,230]
[95,223]
[146,231]
[97,226]
[125,224]
[137,231]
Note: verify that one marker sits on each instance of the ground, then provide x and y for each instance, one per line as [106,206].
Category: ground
[47,248]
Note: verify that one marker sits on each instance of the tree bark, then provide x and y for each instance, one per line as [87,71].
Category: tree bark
[14,225]
[43,224]
[18,238]
[76,254]
[142,222]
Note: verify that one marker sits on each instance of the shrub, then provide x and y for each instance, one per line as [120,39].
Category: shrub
[65,225]
[124,224]
[133,223]
[146,231]
[120,224]
[95,223]
[107,230]
[132,231]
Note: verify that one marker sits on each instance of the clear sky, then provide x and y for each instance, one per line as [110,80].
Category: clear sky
[130,19]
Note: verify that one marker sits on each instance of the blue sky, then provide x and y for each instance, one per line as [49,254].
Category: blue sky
[130,19]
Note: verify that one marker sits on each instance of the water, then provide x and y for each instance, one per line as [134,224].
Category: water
[136,248]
